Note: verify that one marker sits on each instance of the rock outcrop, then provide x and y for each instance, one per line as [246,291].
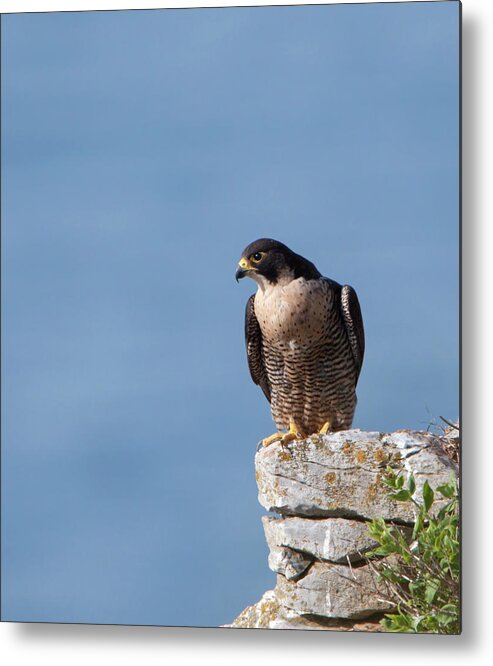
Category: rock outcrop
[323,490]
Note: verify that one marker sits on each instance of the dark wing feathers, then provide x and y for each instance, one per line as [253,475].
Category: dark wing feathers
[353,321]
[253,340]
[351,313]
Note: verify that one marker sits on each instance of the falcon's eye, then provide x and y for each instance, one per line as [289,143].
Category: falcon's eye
[257,256]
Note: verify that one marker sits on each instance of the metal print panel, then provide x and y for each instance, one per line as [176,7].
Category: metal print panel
[182,450]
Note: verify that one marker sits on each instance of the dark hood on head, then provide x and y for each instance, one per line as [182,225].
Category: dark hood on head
[278,259]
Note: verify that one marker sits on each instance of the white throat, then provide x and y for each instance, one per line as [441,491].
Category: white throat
[265,285]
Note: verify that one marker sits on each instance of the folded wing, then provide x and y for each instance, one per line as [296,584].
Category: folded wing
[253,340]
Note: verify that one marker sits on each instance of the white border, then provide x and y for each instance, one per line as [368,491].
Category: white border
[9,6]
[71,644]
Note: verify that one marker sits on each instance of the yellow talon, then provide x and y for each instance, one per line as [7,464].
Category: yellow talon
[325,428]
[273,438]
[293,434]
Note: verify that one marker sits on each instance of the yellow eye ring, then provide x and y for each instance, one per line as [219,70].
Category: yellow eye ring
[256,257]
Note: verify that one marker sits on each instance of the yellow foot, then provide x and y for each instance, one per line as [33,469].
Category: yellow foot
[284,437]
[273,438]
[327,426]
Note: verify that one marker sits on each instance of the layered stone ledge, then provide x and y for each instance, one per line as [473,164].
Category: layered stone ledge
[323,491]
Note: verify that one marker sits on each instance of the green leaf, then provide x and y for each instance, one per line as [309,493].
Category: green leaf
[431,590]
[401,495]
[382,551]
[418,526]
[390,478]
[428,495]
[424,573]
[447,489]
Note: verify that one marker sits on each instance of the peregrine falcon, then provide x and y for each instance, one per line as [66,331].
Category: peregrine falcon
[305,341]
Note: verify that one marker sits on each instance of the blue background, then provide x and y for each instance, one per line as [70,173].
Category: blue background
[141,152]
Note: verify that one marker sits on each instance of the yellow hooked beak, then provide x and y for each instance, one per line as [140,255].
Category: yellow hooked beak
[244,267]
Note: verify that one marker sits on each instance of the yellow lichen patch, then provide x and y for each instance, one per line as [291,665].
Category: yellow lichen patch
[374,489]
[330,477]
[317,442]
[278,489]
[361,457]
[260,615]
[301,446]
[381,457]
[347,448]
[284,456]
[269,611]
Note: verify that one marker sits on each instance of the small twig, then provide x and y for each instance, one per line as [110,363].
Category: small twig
[452,425]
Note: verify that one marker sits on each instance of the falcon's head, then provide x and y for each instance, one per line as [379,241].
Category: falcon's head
[268,261]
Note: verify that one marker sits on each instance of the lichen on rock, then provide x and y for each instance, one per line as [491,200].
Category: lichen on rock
[323,490]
